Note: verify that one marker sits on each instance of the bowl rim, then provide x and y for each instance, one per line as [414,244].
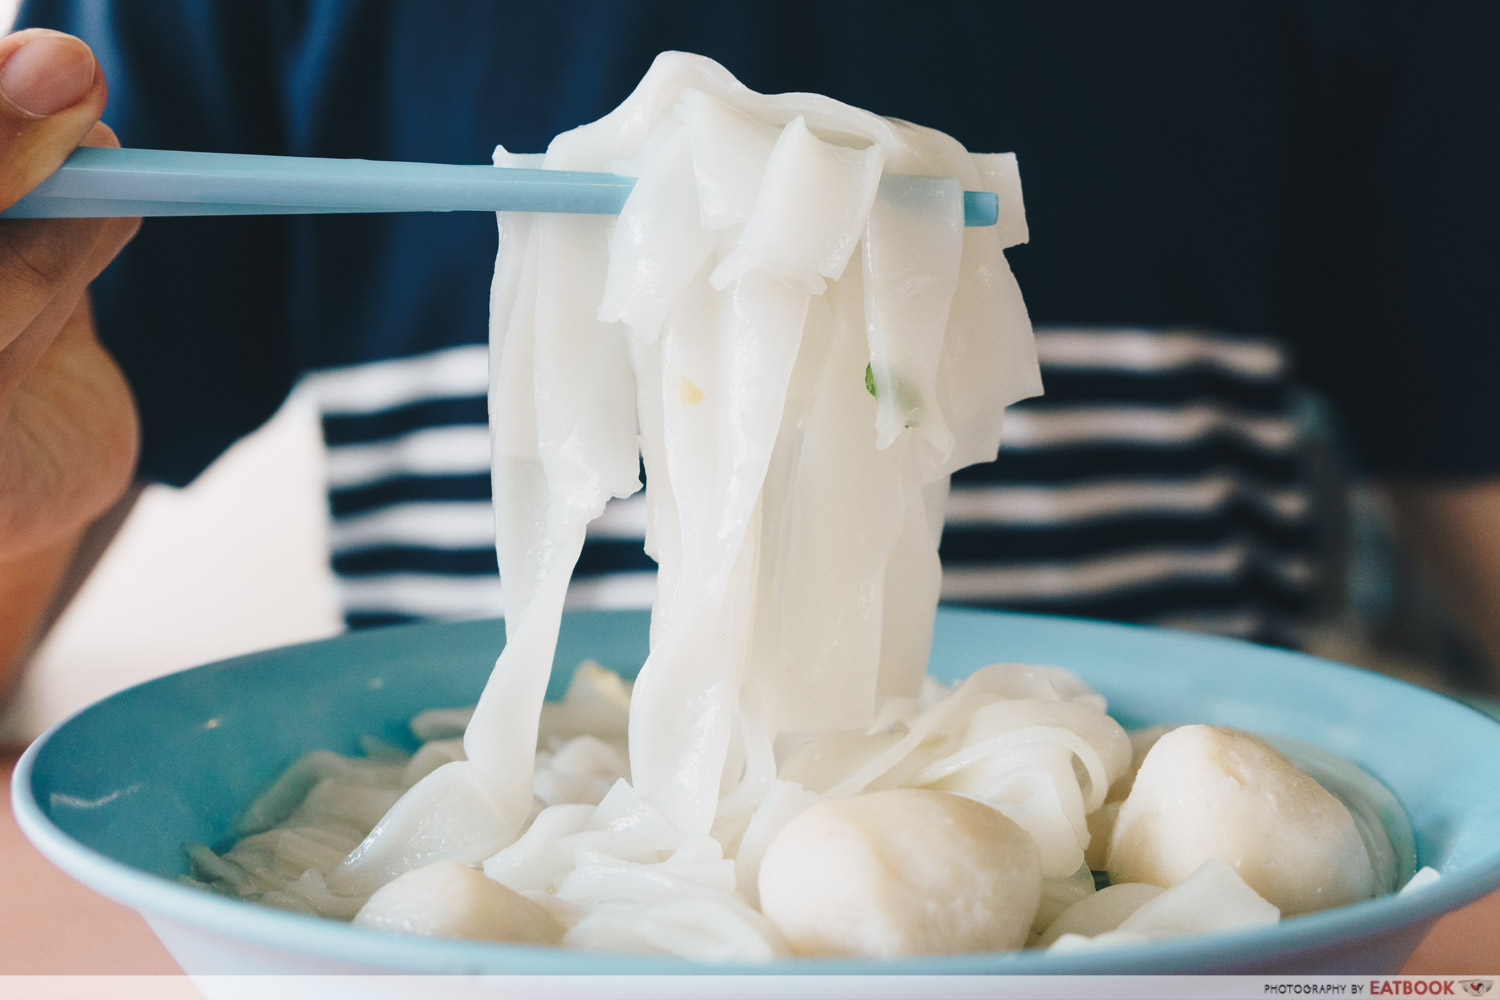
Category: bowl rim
[156,896]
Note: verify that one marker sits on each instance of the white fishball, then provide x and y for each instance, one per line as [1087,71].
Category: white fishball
[1206,792]
[901,872]
[448,899]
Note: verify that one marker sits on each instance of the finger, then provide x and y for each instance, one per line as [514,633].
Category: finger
[41,259]
[52,91]
[37,258]
[48,251]
[112,236]
[34,337]
[102,135]
[32,341]
[76,418]
[37,336]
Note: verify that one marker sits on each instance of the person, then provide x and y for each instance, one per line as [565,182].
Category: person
[1227,202]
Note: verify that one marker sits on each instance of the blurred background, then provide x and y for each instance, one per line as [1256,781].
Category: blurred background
[238,561]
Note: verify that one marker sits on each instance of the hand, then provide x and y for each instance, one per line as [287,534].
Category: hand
[1450,531]
[68,428]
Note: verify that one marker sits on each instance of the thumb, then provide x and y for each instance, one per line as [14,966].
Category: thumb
[51,93]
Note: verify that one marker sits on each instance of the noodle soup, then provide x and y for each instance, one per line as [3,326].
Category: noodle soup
[789,327]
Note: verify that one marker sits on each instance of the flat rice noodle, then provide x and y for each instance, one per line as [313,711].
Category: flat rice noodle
[583,770]
[430,756]
[809,211]
[289,901]
[717,463]
[813,201]
[704,927]
[447,816]
[913,579]
[1099,912]
[273,806]
[377,750]
[989,357]
[663,531]
[536,859]
[1000,173]
[340,803]
[831,573]
[585,392]
[1058,896]
[312,890]
[1098,742]
[215,870]
[697,335]
[565,442]
[750,768]
[658,245]
[297,853]
[601,877]
[1211,899]
[783,802]
[597,703]
[730,151]
[1035,786]
[440,723]
[682,714]
[912,243]
[1420,879]
[949,717]
[825,761]
[550,484]
[1101,828]
[622,825]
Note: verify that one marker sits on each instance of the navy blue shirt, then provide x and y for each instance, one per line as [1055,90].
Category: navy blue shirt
[1295,192]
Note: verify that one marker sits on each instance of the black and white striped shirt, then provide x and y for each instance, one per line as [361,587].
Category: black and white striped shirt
[1158,480]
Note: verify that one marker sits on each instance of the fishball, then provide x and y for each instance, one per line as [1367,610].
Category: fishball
[1208,792]
[901,872]
[448,899]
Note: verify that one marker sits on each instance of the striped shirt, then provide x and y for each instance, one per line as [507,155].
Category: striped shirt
[1158,480]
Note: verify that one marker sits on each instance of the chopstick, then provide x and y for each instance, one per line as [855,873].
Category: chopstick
[97,182]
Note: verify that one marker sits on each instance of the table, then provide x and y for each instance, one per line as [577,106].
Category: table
[51,925]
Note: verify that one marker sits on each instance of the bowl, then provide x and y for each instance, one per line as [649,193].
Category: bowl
[112,794]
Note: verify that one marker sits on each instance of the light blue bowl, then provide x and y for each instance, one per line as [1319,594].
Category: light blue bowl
[112,794]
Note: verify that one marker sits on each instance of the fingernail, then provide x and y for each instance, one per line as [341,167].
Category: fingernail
[47,75]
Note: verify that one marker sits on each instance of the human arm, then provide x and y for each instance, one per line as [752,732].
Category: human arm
[68,438]
[1453,533]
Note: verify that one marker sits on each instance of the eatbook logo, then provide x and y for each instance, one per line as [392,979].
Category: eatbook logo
[1478,987]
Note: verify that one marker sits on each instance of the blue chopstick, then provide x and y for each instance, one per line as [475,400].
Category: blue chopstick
[101,183]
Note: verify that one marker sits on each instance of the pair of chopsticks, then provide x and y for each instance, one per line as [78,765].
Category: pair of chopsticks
[98,182]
